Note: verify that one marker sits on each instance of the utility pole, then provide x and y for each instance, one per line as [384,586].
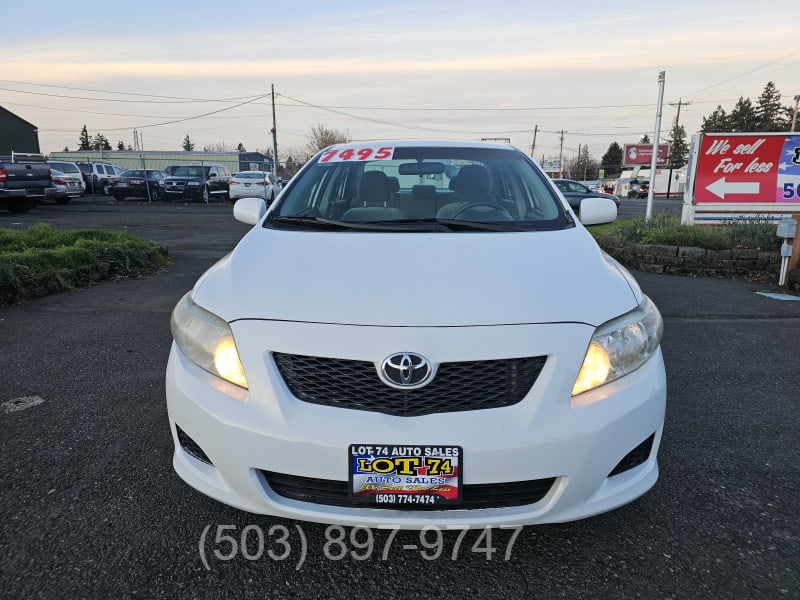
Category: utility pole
[674,135]
[561,155]
[656,136]
[794,116]
[533,145]
[274,137]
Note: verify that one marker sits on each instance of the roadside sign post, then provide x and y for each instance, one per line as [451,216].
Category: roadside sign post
[742,176]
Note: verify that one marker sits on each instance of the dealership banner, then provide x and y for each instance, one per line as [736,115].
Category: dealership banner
[642,154]
[743,175]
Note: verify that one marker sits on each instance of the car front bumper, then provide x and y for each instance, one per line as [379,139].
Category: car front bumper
[577,442]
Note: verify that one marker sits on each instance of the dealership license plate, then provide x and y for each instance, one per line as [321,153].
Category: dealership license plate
[405,477]
[122,184]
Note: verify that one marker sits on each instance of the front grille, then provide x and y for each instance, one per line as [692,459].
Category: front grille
[485,495]
[460,386]
[635,457]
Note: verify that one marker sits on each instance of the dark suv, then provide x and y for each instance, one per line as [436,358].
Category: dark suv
[198,182]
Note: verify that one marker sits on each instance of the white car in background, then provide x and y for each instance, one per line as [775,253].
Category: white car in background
[418,334]
[254,184]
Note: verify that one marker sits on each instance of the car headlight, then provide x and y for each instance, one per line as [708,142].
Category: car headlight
[207,341]
[620,346]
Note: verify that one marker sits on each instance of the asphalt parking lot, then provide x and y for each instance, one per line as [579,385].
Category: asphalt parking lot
[93,509]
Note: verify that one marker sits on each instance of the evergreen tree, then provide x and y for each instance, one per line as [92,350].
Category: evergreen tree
[772,116]
[66,148]
[240,148]
[188,144]
[120,145]
[612,160]
[716,121]
[645,139]
[743,117]
[99,142]
[678,148]
[84,143]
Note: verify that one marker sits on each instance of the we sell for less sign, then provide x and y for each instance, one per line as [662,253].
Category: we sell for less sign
[748,168]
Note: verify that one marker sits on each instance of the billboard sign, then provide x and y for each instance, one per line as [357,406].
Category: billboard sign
[642,154]
[748,168]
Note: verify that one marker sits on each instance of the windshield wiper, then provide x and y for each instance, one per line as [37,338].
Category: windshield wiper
[458,225]
[320,223]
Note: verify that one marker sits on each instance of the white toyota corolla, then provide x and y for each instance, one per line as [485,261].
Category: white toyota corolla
[418,333]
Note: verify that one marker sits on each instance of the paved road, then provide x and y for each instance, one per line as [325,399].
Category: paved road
[92,509]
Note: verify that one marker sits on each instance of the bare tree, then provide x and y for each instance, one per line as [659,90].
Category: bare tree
[321,136]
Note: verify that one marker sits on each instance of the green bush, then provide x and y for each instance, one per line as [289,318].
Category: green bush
[29,258]
[668,230]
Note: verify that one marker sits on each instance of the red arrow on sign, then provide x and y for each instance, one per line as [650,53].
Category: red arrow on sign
[721,187]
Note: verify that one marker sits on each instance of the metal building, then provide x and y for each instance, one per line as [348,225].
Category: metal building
[16,134]
[158,159]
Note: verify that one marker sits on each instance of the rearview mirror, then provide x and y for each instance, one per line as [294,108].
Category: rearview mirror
[424,168]
[249,210]
[595,211]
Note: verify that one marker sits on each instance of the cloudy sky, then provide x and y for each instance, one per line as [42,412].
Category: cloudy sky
[413,69]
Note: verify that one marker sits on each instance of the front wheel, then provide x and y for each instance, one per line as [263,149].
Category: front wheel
[104,188]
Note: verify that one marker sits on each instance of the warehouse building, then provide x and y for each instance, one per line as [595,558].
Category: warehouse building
[16,134]
[159,159]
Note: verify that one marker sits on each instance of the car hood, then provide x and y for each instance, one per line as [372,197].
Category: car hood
[418,279]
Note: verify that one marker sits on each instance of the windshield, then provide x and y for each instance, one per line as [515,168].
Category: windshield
[380,187]
[189,171]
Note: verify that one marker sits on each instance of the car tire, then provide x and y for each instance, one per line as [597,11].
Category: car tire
[205,194]
[271,199]
[104,188]
[119,197]
[20,206]
[155,195]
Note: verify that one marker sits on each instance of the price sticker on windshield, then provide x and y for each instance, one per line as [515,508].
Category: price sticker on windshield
[357,153]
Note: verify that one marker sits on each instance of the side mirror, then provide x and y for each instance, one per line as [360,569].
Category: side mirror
[594,211]
[250,210]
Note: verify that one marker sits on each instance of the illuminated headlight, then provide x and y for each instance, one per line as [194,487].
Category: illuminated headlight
[620,346]
[207,341]
[193,183]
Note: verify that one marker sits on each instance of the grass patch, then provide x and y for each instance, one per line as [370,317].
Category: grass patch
[668,230]
[41,260]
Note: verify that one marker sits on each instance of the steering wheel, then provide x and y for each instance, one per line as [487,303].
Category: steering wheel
[489,205]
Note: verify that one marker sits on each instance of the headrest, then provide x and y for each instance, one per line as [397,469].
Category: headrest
[373,190]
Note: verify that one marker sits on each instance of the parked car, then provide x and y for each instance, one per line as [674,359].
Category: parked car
[65,186]
[254,184]
[98,176]
[348,363]
[574,192]
[198,182]
[638,189]
[71,171]
[139,183]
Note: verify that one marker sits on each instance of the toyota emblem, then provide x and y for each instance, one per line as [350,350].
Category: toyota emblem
[406,370]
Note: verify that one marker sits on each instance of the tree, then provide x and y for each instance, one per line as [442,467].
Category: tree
[100,142]
[320,137]
[120,145]
[241,148]
[84,143]
[743,117]
[772,116]
[612,160]
[188,144]
[583,166]
[716,121]
[66,148]
[217,147]
[644,139]
[678,148]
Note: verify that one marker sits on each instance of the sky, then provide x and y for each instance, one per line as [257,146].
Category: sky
[459,70]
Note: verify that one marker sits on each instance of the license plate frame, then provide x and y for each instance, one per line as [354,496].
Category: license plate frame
[405,476]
